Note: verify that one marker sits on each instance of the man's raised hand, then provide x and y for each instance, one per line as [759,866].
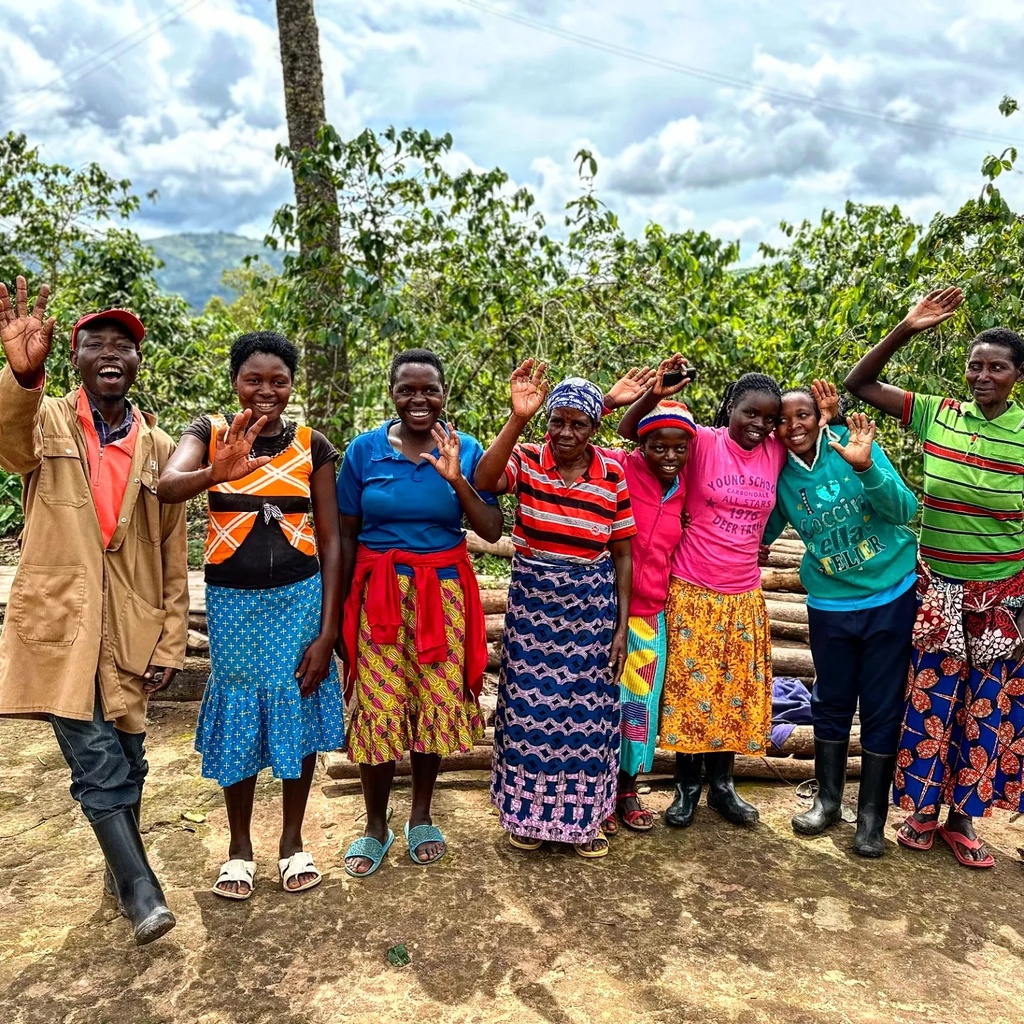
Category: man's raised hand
[26,337]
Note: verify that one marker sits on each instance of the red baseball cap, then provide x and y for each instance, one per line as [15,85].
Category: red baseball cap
[128,320]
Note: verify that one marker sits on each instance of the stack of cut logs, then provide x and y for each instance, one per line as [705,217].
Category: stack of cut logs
[791,656]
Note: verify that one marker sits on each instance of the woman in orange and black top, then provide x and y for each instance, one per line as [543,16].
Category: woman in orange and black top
[273,699]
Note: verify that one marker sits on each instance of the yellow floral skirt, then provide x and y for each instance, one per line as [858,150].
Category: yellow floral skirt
[718,680]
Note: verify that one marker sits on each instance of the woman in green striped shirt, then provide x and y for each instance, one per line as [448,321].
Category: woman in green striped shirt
[962,741]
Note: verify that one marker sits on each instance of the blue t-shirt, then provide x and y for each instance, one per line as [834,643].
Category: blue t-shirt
[403,504]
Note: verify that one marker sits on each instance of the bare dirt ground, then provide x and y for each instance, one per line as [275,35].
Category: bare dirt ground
[713,924]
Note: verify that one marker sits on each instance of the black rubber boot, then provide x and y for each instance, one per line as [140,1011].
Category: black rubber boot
[722,796]
[689,784]
[108,879]
[138,892]
[830,771]
[873,803]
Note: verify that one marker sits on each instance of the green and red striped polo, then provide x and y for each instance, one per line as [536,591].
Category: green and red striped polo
[973,519]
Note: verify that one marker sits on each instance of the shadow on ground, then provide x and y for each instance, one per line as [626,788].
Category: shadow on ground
[712,924]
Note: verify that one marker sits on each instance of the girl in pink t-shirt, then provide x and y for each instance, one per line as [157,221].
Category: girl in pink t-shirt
[718,681]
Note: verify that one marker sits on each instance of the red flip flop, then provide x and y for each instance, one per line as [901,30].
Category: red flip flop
[926,827]
[955,840]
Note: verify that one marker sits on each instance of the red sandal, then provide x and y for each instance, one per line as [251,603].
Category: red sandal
[955,840]
[639,819]
[925,828]
[610,825]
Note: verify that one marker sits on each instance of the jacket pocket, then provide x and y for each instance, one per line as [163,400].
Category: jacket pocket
[147,510]
[136,634]
[46,603]
[62,479]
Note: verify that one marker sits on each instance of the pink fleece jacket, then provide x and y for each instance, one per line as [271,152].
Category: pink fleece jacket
[659,526]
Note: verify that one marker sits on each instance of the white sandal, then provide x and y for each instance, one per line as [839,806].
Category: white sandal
[237,870]
[300,863]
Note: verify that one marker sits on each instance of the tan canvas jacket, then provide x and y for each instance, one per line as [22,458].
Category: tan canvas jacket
[80,616]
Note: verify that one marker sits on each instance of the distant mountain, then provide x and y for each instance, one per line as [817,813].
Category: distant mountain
[194,263]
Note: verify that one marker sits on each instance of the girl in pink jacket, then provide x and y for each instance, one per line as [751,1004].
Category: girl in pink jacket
[656,490]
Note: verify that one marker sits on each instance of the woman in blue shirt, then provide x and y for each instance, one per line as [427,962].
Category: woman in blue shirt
[413,625]
[850,508]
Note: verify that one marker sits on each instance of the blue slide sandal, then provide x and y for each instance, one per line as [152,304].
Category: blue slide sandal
[372,850]
[419,835]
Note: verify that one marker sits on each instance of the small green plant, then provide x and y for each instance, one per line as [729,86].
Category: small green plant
[11,519]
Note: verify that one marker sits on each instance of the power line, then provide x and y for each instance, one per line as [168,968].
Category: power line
[88,65]
[728,80]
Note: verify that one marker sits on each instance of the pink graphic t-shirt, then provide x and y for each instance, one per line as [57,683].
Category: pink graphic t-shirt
[730,492]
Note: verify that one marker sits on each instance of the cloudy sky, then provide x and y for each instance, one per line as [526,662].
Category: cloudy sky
[727,116]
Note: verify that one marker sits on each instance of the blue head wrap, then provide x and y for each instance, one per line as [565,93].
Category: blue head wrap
[577,393]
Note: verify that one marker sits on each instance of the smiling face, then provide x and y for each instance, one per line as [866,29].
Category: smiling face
[752,418]
[264,384]
[418,395]
[108,360]
[666,451]
[798,424]
[570,431]
[991,374]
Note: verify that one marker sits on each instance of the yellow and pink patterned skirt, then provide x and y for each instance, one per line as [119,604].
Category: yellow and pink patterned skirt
[718,680]
[399,704]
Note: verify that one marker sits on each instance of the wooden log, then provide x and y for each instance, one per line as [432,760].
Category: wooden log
[788,769]
[198,641]
[502,547]
[786,544]
[782,630]
[792,661]
[786,597]
[786,611]
[781,579]
[494,600]
[785,560]
[800,743]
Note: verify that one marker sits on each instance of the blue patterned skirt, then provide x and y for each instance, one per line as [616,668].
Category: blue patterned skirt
[252,716]
[962,742]
[556,728]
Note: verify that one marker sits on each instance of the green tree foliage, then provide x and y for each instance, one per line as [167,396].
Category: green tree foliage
[55,226]
[460,261]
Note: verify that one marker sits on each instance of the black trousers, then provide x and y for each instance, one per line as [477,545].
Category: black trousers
[862,656]
[108,767]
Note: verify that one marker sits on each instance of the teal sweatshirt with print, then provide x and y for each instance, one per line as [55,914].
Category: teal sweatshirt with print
[854,524]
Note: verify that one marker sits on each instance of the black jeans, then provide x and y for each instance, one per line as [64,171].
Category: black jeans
[108,767]
[866,655]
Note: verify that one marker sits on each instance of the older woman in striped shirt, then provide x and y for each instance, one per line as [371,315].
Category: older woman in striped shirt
[556,733]
[962,741]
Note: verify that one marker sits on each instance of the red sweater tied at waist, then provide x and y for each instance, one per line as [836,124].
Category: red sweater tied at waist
[384,609]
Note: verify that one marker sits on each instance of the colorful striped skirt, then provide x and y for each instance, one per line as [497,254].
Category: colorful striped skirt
[718,680]
[399,704]
[962,742]
[253,716]
[556,729]
[640,692]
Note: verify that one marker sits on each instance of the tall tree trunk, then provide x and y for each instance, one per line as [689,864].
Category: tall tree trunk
[316,202]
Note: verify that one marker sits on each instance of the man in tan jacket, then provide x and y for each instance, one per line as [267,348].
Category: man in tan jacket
[98,611]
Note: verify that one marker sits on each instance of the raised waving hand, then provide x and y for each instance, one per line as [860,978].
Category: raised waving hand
[232,458]
[529,388]
[935,308]
[26,337]
[857,450]
[628,388]
[449,448]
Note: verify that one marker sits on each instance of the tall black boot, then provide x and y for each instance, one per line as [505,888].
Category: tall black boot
[722,795]
[688,789]
[830,771]
[108,879]
[138,892]
[873,803]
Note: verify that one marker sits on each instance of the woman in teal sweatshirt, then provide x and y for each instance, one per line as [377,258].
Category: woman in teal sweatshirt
[850,507]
